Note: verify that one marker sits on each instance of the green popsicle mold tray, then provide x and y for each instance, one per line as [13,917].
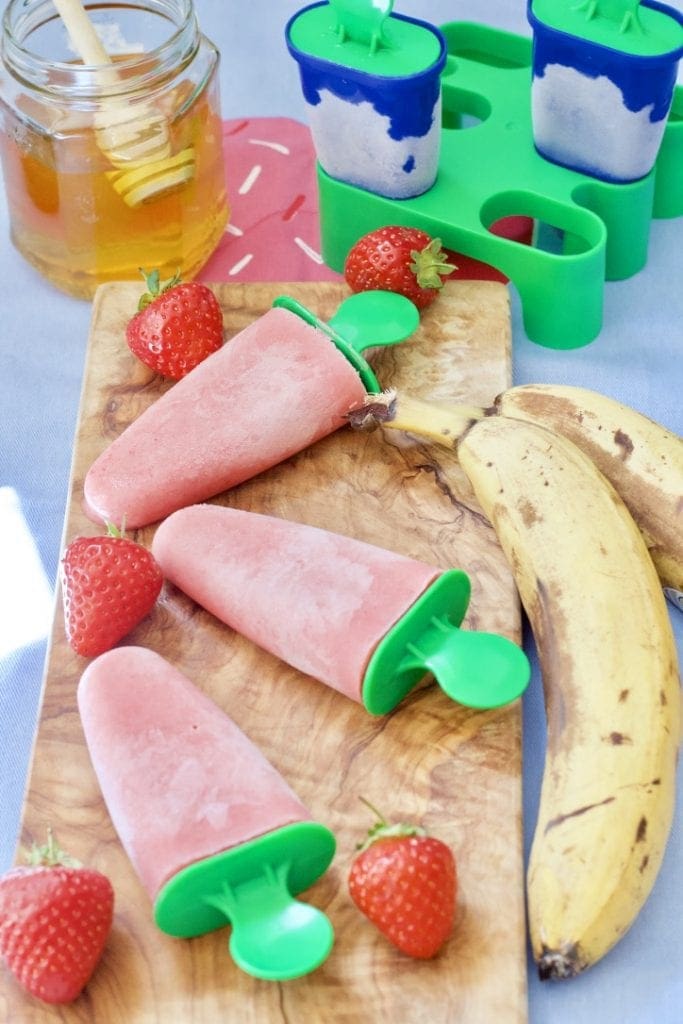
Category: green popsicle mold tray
[587,231]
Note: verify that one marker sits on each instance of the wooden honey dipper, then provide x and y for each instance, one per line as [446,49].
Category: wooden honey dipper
[138,144]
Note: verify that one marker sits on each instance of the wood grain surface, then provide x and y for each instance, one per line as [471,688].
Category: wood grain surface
[455,771]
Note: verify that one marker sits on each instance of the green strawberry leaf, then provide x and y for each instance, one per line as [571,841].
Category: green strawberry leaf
[429,264]
[155,286]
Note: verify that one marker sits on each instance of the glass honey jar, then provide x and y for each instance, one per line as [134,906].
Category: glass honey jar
[111,167]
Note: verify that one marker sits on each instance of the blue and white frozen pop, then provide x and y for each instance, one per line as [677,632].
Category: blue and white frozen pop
[371,81]
[604,73]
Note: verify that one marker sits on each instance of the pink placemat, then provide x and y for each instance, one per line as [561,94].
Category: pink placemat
[274,229]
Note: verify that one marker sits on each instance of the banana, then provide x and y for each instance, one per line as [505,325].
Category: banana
[609,667]
[642,460]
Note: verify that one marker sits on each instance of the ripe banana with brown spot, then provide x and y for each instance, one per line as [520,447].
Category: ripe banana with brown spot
[609,666]
[642,459]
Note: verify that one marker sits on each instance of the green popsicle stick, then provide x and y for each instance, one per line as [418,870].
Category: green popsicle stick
[364,35]
[623,25]
[361,20]
[480,670]
[252,887]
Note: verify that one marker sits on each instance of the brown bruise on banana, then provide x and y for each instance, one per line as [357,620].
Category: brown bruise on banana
[641,828]
[617,739]
[555,659]
[529,513]
[623,444]
[641,836]
[576,813]
[553,410]
[541,406]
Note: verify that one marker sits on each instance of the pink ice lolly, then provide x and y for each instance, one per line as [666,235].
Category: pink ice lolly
[364,620]
[318,600]
[186,790]
[271,391]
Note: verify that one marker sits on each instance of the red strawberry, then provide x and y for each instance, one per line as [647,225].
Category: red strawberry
[109,584]
[177,325]
[398,259]
[405,882]
[55,918]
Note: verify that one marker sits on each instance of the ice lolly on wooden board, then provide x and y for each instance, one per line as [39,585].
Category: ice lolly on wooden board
[226,421]
[213,831]
[279,386]
[455,770]
[365,620]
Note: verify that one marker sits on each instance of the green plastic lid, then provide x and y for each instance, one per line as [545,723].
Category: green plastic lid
[364,320]
[252,887]
[363,35]
[625,25]
[480,670]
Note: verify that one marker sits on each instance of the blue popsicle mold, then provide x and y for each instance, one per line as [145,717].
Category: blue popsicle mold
[375,125]
[598,108]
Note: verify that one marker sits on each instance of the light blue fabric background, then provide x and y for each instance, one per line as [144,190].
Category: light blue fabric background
[638,358]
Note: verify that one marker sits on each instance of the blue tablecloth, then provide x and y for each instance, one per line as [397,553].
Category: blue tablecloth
[637,358]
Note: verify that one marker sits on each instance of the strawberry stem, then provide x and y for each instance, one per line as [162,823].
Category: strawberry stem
[115,531]
[378,814]
[381,829]
[155,286]
[50,855]
[429,264]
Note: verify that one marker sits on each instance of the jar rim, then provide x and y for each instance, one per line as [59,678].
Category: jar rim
[85,80]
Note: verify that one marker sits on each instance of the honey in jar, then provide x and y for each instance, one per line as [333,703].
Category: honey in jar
[111,168]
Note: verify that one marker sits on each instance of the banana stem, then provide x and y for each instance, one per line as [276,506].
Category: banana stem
[440,424]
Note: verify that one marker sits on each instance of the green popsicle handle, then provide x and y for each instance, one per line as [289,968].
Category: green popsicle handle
[361,20]
[252,887]
[480,670]
[274,936]
[631,28]
[363,320]
[623,12]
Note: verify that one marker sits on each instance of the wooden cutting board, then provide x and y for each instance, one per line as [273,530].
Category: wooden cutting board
[454,770]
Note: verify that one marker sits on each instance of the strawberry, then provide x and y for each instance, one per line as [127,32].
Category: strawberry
[109,584]
[398,259]
[405,882]
[177,325]
[55,918]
